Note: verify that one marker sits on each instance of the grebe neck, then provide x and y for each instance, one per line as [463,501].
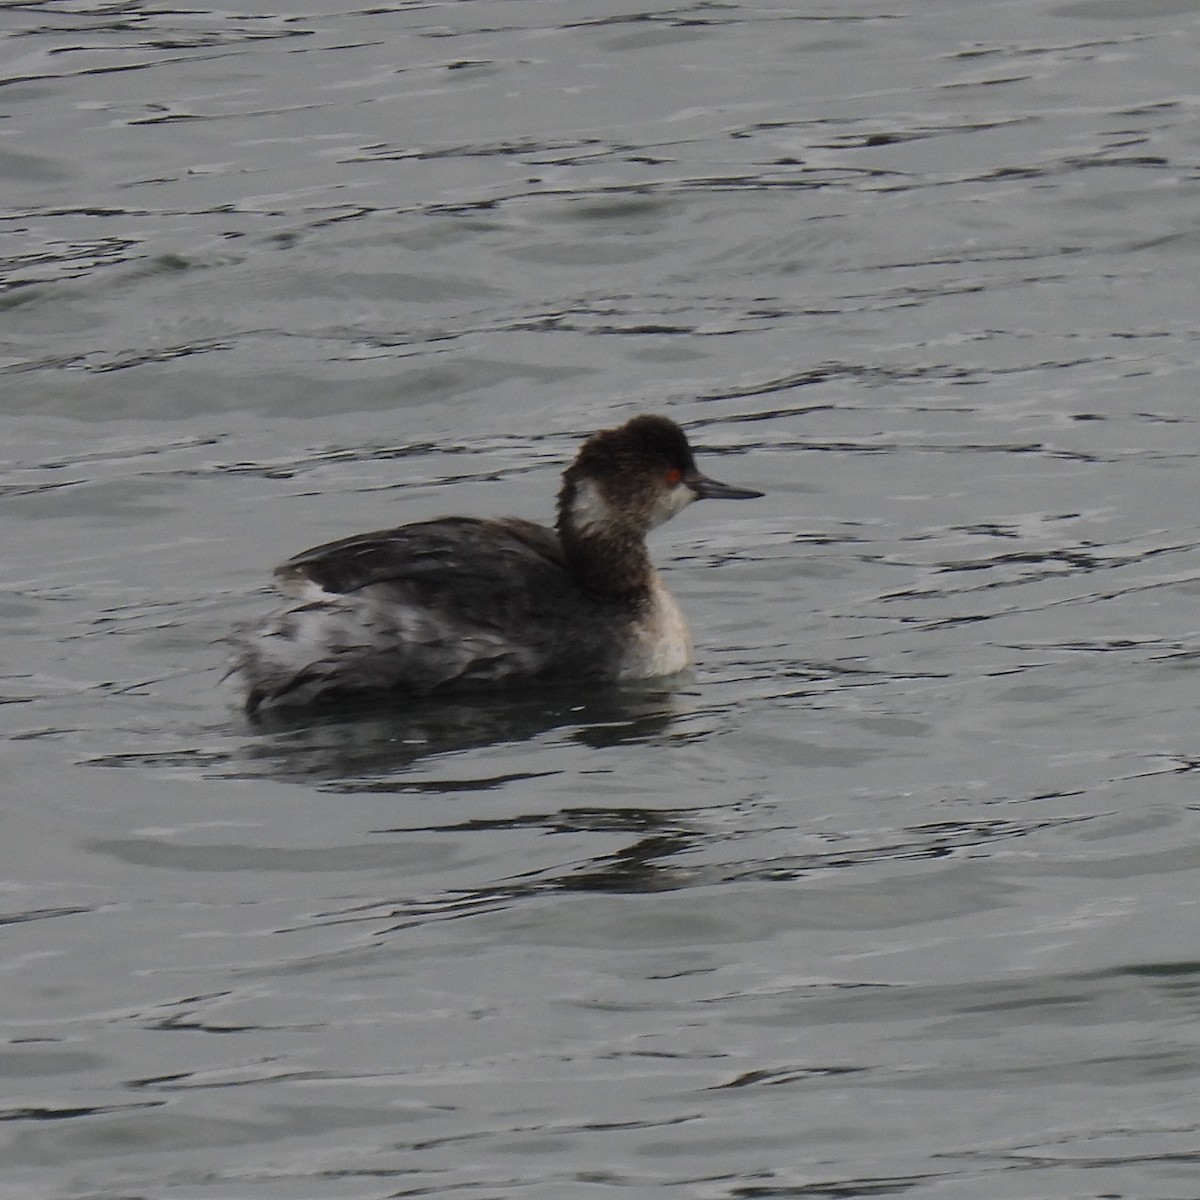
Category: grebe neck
[606,553]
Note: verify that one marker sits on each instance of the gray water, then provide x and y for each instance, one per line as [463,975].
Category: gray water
[899,894]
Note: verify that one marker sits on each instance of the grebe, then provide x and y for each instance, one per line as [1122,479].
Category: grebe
[463,603]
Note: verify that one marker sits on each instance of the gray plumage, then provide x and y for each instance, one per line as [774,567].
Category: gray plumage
[463,602]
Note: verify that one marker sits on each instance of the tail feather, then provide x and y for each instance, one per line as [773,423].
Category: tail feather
[347,646]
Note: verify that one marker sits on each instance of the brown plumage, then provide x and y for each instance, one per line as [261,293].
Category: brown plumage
[463,602]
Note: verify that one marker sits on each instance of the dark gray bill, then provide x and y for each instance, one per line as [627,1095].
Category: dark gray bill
[710,489]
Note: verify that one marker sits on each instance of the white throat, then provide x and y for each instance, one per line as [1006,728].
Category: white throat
[667,504]
[591,512]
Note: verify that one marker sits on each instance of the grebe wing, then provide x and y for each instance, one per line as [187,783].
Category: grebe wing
[431,562]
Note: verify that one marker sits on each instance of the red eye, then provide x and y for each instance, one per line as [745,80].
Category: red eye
[674,475]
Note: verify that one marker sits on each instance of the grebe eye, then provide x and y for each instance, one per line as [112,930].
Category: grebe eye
[674,475]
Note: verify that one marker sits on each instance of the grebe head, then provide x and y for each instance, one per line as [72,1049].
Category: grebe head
[633,478]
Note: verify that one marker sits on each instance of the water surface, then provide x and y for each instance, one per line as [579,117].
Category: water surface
[897,895]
